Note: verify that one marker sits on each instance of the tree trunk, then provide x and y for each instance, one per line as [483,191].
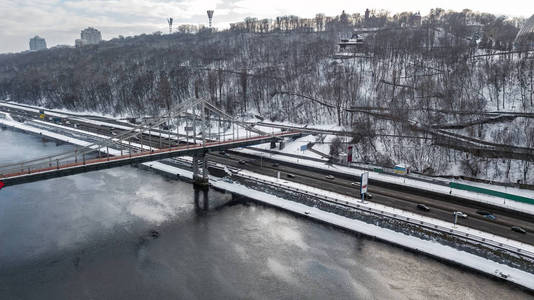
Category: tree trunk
[244,88]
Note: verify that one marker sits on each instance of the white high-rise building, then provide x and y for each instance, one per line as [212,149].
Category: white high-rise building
[37,43]
[89,36]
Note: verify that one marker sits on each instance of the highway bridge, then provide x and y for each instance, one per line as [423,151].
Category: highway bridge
[157,144]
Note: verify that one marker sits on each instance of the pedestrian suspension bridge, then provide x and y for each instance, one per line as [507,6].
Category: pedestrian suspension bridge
[137,145]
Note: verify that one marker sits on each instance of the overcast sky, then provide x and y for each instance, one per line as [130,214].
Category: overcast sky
[60,21]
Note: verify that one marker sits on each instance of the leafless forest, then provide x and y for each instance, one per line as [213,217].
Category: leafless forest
[448,93]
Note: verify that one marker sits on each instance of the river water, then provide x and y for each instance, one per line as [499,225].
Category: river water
[89,236]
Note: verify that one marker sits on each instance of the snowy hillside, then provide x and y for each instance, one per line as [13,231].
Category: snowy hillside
[446,95]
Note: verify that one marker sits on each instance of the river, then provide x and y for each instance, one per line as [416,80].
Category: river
[90,236]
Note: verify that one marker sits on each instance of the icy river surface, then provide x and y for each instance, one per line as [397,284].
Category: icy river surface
[126,233]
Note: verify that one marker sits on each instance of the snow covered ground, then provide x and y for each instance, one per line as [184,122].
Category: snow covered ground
[74,130]
[125,126]
[50,134]
[61,111]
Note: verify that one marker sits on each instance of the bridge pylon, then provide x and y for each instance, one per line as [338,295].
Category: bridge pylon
[200,178]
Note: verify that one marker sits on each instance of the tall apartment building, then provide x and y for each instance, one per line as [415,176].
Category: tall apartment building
[37,43]
[89,36]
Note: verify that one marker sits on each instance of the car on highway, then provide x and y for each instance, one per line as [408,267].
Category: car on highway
[276,165]
[355,183]
[423,207]
[331,177]
[289,175]
[222,152]
[242,162]
[490,217]
[519,229]
[460,214]
[486,214]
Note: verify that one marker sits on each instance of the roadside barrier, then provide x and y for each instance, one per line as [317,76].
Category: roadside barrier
[480,190]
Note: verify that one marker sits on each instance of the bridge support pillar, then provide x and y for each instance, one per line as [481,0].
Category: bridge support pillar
[200,180]
[194,166]
[201,203]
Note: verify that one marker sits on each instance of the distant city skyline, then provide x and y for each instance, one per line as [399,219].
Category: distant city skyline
[60,21]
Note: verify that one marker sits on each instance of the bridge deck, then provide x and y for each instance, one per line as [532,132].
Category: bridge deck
[131,158]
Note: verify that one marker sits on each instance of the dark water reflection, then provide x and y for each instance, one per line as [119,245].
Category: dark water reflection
[89,236]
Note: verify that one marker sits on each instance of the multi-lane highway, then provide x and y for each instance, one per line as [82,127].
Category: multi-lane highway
[440,207]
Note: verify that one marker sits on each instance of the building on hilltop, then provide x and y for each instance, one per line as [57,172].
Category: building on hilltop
[78,43]
[37,43]
[89,36]
[351,47]
[354,43]
[415,19]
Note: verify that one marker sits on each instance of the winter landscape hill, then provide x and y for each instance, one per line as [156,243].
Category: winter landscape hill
[450,93]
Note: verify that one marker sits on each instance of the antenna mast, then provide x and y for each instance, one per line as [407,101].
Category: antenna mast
[169,20]
[210,16]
